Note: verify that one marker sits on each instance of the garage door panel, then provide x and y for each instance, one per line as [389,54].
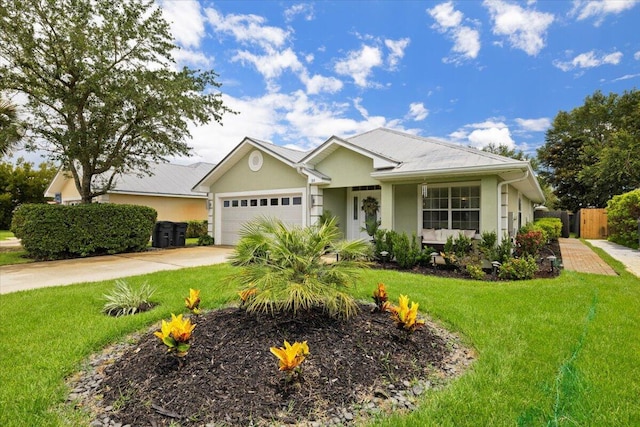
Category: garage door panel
[237,211]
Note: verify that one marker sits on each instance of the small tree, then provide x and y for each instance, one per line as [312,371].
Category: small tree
[286,268]
[103,95]
[22,183]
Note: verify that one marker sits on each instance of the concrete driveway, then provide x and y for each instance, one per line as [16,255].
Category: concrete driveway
[65,272]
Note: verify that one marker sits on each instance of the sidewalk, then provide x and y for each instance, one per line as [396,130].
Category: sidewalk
[629,257]
[65,272]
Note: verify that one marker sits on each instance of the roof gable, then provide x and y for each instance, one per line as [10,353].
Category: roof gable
[288,156]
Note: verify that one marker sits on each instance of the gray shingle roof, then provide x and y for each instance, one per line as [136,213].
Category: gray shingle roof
[424,154]
[167,179]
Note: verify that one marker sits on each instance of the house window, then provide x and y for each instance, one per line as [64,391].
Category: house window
[355,208]
[274,202]
[263,202]
[243,203]
[285,201]
[452,208]
[297,200]
[253,202]
[226,203]
[234,203]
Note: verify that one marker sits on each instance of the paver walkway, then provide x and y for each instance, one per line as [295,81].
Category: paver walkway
[576,256]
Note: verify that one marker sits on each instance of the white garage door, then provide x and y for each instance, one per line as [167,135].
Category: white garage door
[236,211]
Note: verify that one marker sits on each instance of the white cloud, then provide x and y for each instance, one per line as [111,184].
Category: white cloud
[599,9]
[292,120]
[304,9]
[359,64]
[491,131]
[466,39]
[626,77]
[445,15]
[247,29]
[192,57]
[185,20]
[480,138]
[525,29]
[318,84]
[309,58]
[589,60]
[534,125]
[397,48]
[467,42]
[636,56]
[273,63]
[417,111]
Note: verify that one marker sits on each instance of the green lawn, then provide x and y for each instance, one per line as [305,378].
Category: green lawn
[5,234]
[550,352]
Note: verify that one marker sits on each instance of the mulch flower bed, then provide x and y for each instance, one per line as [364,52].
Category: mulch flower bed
[544,267]
[356,368]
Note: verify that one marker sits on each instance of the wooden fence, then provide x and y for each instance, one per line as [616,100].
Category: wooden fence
[593,224]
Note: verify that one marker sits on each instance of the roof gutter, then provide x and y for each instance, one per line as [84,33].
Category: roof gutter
[525,176]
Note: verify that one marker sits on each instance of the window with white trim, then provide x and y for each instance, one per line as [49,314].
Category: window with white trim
[455,207]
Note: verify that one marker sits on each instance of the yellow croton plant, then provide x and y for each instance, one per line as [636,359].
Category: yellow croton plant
[380,297]
[176,334]
[193,301]
[406,317]
[291,355]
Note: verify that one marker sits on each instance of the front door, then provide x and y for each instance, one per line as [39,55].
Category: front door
[358,217]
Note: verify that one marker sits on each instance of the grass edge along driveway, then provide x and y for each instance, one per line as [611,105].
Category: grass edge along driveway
[550,352]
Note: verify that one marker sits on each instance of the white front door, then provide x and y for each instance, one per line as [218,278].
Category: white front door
[357,217]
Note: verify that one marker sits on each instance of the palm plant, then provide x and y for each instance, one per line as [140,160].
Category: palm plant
[10,131]
[289,269]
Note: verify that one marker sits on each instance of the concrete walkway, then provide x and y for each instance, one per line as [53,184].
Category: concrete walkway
[629,257]
[65,272]
[576,256]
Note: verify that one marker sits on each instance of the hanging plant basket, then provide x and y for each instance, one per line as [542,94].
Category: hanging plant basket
[370,206]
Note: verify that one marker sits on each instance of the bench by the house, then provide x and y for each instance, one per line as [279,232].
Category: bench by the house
[431,236]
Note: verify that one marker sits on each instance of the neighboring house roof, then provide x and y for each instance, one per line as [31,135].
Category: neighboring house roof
[167,179]
[396,155]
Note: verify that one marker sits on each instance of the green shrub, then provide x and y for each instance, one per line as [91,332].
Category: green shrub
[124,300]
[504,250]
[381,244]
[530,242]
[58,231]
[518,268]
[205,240]
[196,228]
[402,248]
[475,271]
[551,226]
[623,212]
[488,247]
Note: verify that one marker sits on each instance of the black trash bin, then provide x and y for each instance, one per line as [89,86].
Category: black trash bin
[162,234]
[179,233]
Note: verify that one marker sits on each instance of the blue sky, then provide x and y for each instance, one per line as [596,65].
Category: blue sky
[471,72]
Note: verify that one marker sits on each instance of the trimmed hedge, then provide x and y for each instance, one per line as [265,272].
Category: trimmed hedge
[59,231]
[551,226]
[196,228]
[623,212]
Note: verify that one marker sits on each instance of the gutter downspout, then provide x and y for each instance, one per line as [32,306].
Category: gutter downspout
[499,231]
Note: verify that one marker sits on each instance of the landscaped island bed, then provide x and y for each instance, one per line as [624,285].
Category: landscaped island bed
[356,368]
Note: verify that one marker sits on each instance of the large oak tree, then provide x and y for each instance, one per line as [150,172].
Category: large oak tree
[104,94]
[592,153]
